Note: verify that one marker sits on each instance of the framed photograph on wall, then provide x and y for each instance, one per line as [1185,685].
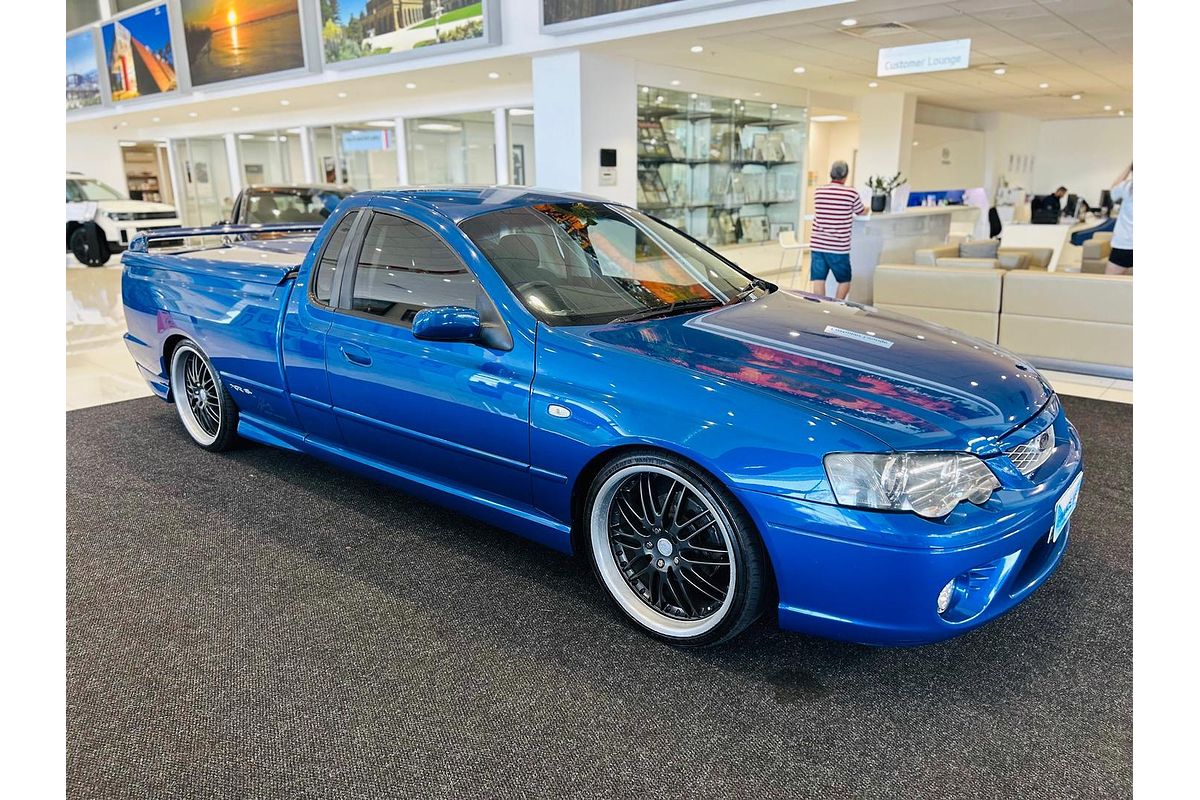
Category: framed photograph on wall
[83,71]
[138,54]
[229,40]
[359,29]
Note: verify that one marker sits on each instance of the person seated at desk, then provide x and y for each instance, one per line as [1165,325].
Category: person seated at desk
[1047,209]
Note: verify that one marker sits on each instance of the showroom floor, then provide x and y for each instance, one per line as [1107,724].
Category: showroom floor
[257,624]
[99,369]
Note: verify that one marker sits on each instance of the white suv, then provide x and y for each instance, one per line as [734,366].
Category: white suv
[101,221]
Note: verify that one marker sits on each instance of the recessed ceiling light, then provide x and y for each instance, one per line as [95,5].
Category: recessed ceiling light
[410,85]
[999,71]
[193,114]
[245,136]
[236,108]
[873,85]
[493,75]
[737,102]
[285,102]
[693,95]
[1108,108]
[1043,85]
[342,95]
[521,112]
[1121,113]
[155,119]
[439,127]
[829,118]
[915,143]
[124,122]
[382,123]
[675,83]
[758,94]
[697,48]
[774,106]
[799,70]
[645,89]
[1076,96]
[849,22]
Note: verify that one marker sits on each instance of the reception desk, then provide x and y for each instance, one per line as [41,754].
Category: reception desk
[891,238]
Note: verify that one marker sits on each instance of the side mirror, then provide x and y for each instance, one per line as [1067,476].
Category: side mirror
[447,324]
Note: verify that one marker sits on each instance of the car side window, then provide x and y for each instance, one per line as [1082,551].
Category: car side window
[403,268]
[327,263]
[73,193]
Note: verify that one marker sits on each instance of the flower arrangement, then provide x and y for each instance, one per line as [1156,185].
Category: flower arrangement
[880,185]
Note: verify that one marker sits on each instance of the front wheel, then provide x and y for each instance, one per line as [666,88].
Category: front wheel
[89,246]
[674,550]
[205,408]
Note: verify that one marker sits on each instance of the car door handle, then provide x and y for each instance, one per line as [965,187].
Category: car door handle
[356,355]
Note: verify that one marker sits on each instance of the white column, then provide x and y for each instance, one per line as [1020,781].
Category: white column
[500,122]
[177,182]
[306,155]
[401,152]
[235,168]
[585,102]
[885,136]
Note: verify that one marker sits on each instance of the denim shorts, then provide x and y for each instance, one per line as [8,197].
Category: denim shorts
[824,263]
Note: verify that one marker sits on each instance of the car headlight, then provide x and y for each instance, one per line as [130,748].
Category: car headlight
[122,216]
[928,484]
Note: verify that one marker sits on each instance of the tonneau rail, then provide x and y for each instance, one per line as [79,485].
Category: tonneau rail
[229,233]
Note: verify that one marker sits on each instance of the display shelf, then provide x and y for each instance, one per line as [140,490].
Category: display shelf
[727,171]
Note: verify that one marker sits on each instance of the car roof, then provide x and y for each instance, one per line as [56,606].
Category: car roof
[462,202]
[294,187]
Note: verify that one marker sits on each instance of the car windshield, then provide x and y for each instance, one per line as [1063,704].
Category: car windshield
[295,205]
[592,263]
[88,189]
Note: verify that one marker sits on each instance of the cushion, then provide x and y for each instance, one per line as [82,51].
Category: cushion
[938,287]
[1069,296]
[964,263]
[982,249]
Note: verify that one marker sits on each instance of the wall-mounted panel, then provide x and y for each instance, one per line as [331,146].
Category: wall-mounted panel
[357,30]
[83,71]
[138,55]
[231,39]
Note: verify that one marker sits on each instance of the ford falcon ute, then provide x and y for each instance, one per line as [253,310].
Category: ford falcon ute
[579,373]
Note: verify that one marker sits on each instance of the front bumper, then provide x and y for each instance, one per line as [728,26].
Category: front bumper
[874,577]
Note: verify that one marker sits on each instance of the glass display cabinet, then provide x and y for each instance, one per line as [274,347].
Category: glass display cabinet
[725,170]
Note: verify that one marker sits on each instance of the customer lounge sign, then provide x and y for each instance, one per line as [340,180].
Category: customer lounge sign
[932,57]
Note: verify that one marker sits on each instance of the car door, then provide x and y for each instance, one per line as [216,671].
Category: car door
[453,412]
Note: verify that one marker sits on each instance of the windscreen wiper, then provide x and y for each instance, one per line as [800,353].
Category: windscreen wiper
[678,307]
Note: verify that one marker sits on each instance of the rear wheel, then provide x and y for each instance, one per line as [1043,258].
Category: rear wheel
[88,245]
[204,406]
[674,550]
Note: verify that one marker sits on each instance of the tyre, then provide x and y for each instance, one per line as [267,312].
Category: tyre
[674,550]
[205,407]
[88,245]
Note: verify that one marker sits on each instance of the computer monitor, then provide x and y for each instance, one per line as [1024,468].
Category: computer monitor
[1069,209]
[1106,201]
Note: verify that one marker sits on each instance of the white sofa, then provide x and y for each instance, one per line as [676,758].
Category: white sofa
[1061,320]
[963,298]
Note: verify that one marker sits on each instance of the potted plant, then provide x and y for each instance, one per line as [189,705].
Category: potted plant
[881,190]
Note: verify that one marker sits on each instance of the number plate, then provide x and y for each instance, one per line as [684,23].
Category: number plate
[1064,508]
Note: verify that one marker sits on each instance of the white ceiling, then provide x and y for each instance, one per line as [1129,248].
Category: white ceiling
[1076,46]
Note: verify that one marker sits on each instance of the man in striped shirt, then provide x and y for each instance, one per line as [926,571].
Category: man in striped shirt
[834,207]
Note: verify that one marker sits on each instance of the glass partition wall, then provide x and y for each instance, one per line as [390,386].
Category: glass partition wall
[362,155]
[454,149]
[205,195]
[271,157]
[725,170]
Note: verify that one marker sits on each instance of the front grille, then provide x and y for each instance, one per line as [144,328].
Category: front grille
[1028,456]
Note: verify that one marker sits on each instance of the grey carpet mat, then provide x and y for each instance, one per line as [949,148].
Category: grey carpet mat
[257,624]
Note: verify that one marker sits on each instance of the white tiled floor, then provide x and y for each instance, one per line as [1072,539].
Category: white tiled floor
[100,369]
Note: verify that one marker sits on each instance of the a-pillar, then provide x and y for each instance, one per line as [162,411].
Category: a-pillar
[584,103]
[885,137]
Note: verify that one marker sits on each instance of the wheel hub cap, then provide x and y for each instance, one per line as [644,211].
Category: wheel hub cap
[665,548]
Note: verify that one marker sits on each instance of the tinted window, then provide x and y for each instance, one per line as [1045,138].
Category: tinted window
[590,263]
[327,265]
[403,268]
